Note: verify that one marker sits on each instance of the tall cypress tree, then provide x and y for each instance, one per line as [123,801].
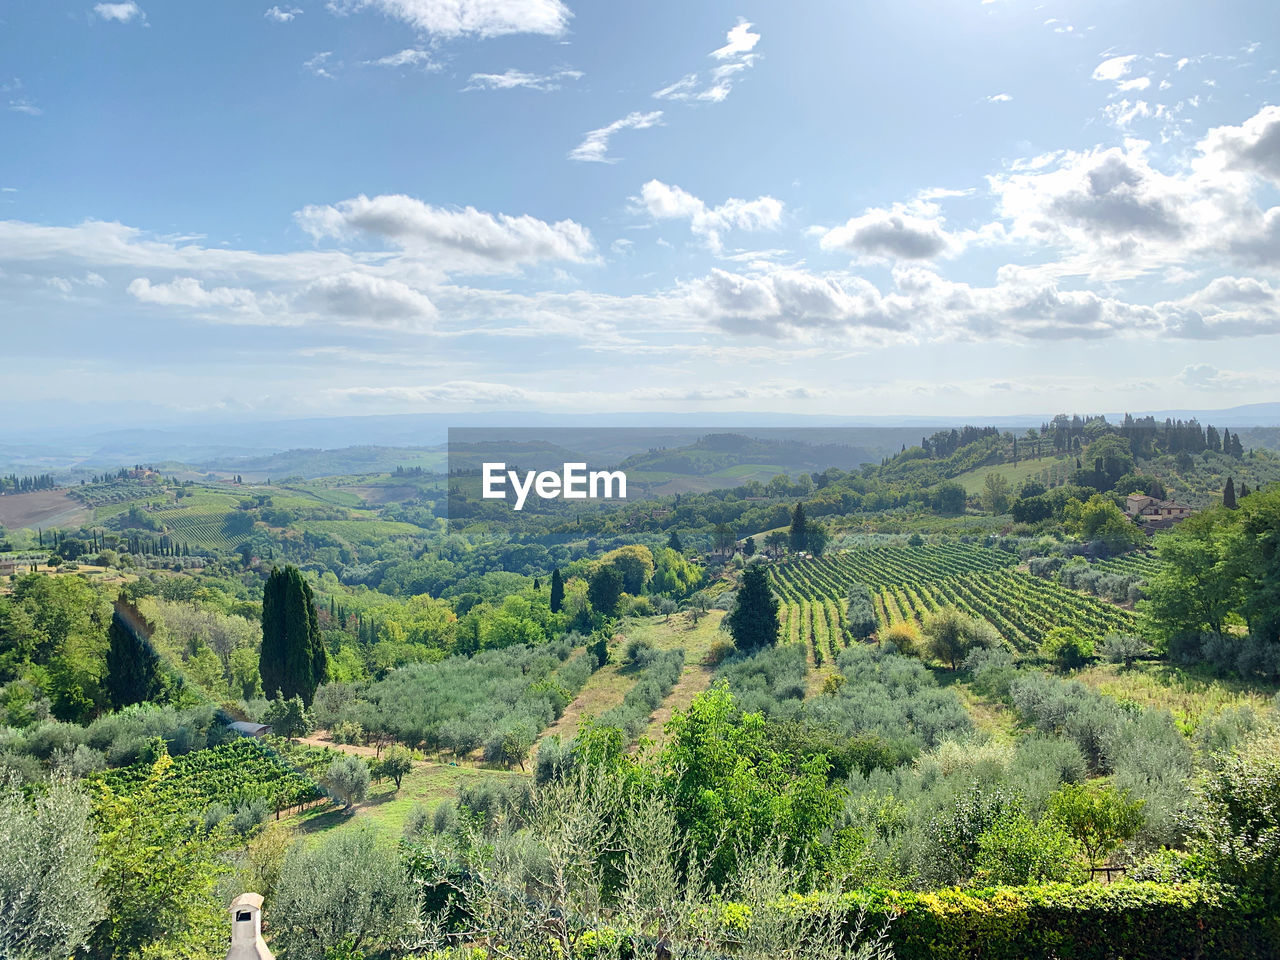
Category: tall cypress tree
[799,529]
[1229,494]
[133,669]
[294,660]
[557,590]
[753,622]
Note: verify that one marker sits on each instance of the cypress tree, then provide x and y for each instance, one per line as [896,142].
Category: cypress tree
[799,529]
[293,661]
[1229,495]
[557,590]
[753,622]
[133,674]
[674,543]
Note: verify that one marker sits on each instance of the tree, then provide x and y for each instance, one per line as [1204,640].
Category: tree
[158,875]
[604,590]
[348,779]
[951,635]
[1229,494]
[775,542]
[1099,818]
[289,718]
[861,616]
[294,660]
[753,622]
[673,542]
[50,901]
[348,888]
[749,547]
[798,534]
[698,605]
[133,674]
[1239,830]
[395,764]
[949,498]
[995,493]
[1123,648]
[723,538]
[1196,590]
[818,537]
[634,564]
[557,590]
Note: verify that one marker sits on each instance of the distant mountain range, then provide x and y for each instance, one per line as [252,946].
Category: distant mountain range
[220,445]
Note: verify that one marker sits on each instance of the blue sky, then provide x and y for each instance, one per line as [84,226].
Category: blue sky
[241,209]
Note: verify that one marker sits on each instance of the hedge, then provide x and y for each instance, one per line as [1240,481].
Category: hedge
[1128,920]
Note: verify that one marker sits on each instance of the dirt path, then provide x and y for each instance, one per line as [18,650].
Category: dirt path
[603,690]
[320,738]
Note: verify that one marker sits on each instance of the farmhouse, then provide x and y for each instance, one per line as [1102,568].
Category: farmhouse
[8,567]
[1140,505]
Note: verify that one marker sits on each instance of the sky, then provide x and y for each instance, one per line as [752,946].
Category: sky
[229,210]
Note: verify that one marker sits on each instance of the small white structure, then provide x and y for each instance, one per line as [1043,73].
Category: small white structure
[246,929]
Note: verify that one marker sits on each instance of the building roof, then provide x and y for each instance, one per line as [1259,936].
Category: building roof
[249,729]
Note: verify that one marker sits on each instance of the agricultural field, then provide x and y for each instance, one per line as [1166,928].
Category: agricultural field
[240,770]
[907,583]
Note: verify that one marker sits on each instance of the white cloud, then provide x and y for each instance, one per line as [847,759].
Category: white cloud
[318,64]
[999,98]
[740,40]
[519,79]
[409,57]
[120,12]
[465,240]
[913,231]
[666,202]
[1114,68]
[23,105]
[1137,83]
[480,18]
[737,57]
[362,299]
[594,147]
[282,14]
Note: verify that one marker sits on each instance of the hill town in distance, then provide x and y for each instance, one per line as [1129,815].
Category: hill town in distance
[531,480]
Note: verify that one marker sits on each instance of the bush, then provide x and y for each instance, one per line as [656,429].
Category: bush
[1019,851]
[905,637]
[1066,648]
[347,886]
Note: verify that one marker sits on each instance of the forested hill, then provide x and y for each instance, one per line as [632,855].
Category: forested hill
[1086,451]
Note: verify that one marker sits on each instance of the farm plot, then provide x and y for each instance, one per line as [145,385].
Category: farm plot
[908,584]
[243,769]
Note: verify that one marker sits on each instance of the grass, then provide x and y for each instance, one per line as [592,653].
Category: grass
[387,808]
[696,641]
[1191,694]
[974,480]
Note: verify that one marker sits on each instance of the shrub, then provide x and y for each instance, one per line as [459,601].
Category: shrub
[1066,648]
[1018,850]
[905,637]
[347,886]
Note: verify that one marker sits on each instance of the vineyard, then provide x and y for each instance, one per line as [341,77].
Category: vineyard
[1141,564]
[241,770]
[907,584]
[199,529]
